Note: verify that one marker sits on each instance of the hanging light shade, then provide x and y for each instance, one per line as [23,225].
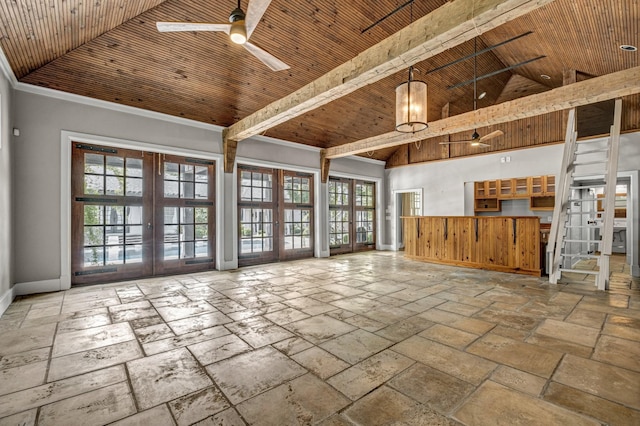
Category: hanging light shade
[411,105]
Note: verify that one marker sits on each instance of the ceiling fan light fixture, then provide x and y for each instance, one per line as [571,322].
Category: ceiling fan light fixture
[475,135]
[238,32]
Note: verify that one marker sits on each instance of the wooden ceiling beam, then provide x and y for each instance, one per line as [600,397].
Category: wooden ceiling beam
[446,27]
[597,89]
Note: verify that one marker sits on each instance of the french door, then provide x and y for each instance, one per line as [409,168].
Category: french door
[351,215]
[138,214]
[275,215]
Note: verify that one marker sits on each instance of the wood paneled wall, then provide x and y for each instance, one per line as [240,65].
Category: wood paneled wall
[507,244]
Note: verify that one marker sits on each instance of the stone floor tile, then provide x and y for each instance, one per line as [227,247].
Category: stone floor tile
[624,321]
[459,308]
[621,352]
[424,304]
[464,366]
[319,328]
[249,374]
[472,325]
[97,407]
[523,356]
[39,312]
[132,311]
[258,331]
[320,362]
[217,349]
[519,380]
[26,339]
[153,332]
[309,305]
[197,406]
[362,378]
[355,346]
[343,290]
[511,333]
[165,377]
[336,420]
[23,377]
[449,336]
[163,299]
[590,405]
[156,416]
[228,417]
[286,316]
[146,321]
[92,338]
[386,406]
[51,392]
[182,340]
[579,334]
[94,359]
[388,314]
[87,305]
[83,323]
[509,319]
[606,381]
[199,322]
[325,296]
[493,403]
[431,387]
[362,322]
[26,418]
[560,345]
[621,331]
[184,310]
[384,287]
[587,318]
[292,346]
[303,401]
[404,329]
[358,304]
[23,358]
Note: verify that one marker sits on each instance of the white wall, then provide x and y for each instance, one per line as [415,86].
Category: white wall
[6,211]
[44,116]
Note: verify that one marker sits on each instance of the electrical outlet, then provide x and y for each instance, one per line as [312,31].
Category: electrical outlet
[503,159]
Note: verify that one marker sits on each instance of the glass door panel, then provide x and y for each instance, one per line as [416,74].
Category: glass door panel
[110,189]
[364,205]
[184,215]
[257,207]
[351,215]
[297,215]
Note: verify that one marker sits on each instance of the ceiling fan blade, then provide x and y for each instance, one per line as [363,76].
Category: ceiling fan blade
[165,27]
[255,10]
[472,142]
[491,135]
[480,145]
[267,58]
[452,142]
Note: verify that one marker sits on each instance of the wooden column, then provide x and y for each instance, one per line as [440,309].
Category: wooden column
[229,148]
[568,77]
[446,149]
[324,166]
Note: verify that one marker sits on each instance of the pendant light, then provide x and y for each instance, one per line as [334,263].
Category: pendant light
[411,102]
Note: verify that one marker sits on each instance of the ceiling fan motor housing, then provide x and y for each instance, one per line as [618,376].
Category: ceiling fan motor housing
[236,15]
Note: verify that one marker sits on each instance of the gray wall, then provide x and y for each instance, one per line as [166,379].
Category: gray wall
[38,167]
[6,216]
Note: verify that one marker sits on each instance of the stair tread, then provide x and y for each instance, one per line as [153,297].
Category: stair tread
[580,271]
[584,256]
[583,241]
[592,151]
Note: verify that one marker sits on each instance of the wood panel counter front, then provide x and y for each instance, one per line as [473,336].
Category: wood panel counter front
[499,243]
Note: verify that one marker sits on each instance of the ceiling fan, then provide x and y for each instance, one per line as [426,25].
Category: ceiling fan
[240,28]
[476,139]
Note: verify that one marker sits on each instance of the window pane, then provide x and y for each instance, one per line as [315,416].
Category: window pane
[171,251]
[115,166]
[134,187]
[186,215]
[202,190]
[202,174]
[187,172]
[114,255]
[94,163]
[202,249]
[187,250]
[94,256]
[133,254]
[170,189]
[171,233]
[202,215]
[134,167]
[115,215]
[171,215]
[134,215]
[170,171]
[114,235]
[202,232]
[93,185]
[93,215]
[186,233]
[133,235]
[93,235]
[115,185]
[186,190]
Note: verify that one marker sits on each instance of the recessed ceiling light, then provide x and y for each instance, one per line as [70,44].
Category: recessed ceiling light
[545,77]
[628,48]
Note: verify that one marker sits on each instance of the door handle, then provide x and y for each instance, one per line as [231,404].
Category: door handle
[149,226]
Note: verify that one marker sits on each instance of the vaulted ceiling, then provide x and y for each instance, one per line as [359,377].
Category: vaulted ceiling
[111,50]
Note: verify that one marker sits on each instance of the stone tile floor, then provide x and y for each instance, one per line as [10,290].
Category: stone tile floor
[366,339]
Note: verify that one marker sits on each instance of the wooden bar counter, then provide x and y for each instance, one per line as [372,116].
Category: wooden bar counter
[498,243]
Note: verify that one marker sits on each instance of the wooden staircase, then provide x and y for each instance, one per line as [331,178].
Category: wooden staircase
[578,213]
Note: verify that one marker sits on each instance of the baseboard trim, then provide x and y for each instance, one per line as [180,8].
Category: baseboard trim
[33,287]
[386,247]
[6,300]
[228,265]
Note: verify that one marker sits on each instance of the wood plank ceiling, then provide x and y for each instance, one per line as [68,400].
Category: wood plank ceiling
[111,50]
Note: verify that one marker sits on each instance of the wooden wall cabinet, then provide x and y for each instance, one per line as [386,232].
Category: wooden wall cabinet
[486,189]
[514,188]
[507,244]
[541,186]
[540,190]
